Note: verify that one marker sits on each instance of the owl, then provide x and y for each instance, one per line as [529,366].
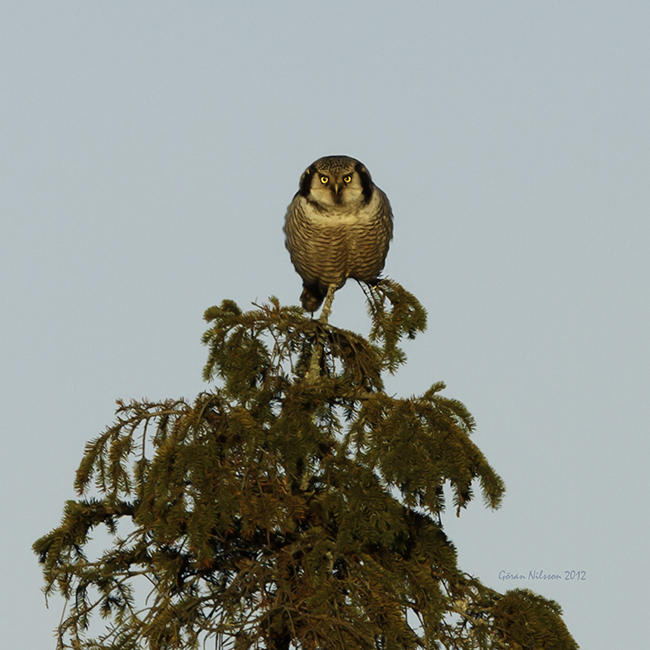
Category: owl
[338,226]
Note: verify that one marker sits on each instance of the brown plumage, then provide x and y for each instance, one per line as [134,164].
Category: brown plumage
[338,226]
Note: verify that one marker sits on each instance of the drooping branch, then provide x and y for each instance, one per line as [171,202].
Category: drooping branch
[274,509]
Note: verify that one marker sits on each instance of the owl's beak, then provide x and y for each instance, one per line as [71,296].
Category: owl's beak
[336,189]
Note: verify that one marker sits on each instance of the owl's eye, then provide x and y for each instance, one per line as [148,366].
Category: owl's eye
[347,179]
[324,180]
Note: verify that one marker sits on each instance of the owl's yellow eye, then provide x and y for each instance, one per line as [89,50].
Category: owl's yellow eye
[324,180]
[347,179]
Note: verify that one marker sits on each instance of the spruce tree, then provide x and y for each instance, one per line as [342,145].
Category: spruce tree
[294,504]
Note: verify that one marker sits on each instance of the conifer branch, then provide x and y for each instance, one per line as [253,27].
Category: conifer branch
[314,362]
[295,502]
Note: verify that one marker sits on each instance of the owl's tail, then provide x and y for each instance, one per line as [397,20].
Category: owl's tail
[311,297]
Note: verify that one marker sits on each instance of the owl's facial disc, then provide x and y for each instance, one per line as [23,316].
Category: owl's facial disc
[333,188]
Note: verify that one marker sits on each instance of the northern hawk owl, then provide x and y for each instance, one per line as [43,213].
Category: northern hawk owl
[338,226]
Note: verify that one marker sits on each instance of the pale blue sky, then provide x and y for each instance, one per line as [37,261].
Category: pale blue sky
[148,151]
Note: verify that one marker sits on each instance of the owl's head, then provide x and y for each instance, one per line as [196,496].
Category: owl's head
[336,182]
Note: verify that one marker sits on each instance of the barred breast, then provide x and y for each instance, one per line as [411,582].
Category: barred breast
[327,249]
